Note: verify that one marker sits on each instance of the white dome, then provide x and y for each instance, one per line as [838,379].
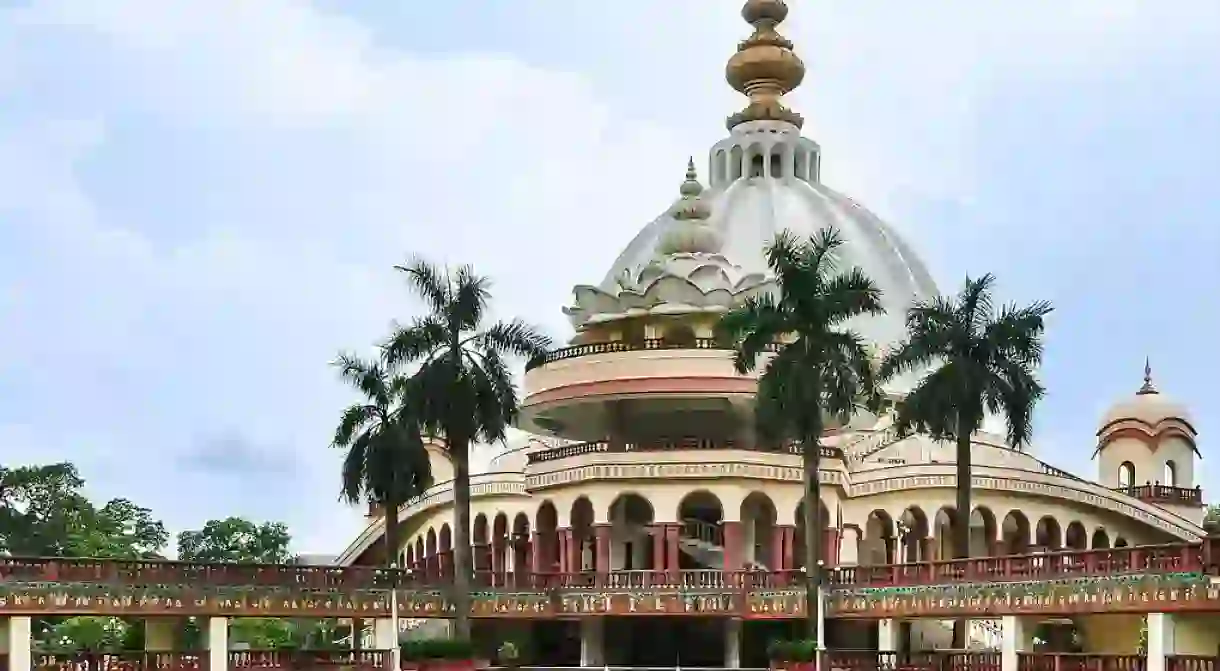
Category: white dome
[748,212]
[1148,407]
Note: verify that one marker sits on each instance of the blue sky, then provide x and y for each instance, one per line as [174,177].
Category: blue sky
[200,201]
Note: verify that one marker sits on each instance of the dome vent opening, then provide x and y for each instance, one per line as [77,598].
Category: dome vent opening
[777,164]
[801,166]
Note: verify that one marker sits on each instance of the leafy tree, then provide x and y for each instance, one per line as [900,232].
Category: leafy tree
[386,462]
[239,540]
[981,359]
[822,368]
[1211,520]
[86,634]
[236,539]
[462,384]
[45,513]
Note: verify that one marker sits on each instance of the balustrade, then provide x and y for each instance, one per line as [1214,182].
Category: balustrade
[1073,661]
[590,349]
[1158,493]
[678,444]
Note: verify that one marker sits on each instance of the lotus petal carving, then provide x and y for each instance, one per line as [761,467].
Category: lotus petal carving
[683,283]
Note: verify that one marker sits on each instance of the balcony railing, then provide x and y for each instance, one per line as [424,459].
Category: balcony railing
[606,447]
[590,349]
[1158,493]
[1175,558]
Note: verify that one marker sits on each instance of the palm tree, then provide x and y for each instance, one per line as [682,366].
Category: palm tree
[822,369]
[386,463]
[462,382]
[983,360]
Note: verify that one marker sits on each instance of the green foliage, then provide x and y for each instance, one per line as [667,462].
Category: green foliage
[823,364]
[983,359]
[823,368]
[461,387]
[86,634]
[236,539]
[1211,520]
[436,648]
[45,513]
[799,650]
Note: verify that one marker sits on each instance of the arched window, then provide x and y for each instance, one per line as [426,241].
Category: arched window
[1171,474]
[1126,474]
[777,163]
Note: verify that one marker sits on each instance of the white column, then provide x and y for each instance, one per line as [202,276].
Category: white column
[383,634]
[821,611]
[732,643]
[17,641]
[1160,640]
[592,642]
[218,643]
[1012,641]
[887,635]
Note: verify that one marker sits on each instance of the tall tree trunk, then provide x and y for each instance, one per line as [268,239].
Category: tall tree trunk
[392,546]
[461,537]
[961,528]
[811,457]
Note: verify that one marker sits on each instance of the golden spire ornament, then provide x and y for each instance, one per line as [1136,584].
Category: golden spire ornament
[765,67]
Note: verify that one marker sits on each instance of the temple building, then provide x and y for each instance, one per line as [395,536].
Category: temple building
[638,461]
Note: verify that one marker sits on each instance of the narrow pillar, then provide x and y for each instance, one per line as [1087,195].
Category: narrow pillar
[217,639]
[572,550]
[1160,640]
[1013,640]
[849,547]
[592,642]
[497,562]
[17,641]
[383,634]
[830,547]
[777,550]
[734,546]
[790,551]
[672,563]
[601,553]
[887,635]
[658,546]
[732,643]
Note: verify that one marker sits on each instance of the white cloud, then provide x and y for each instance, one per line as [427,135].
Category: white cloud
[297,156]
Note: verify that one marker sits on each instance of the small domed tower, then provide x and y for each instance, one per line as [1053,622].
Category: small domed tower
[1146,444]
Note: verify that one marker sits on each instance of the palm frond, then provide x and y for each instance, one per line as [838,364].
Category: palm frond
[421,337]
[470,294]
[366,376]
[428,282]
[514,337]
[850,294]
[751,328]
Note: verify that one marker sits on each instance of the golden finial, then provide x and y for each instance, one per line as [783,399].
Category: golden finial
[1147,388]
[765,67]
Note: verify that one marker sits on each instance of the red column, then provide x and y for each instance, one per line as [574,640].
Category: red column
[671,550]
[601,554]
[658,546]
[497,560]
[790,551]
[537,562]
[830,547]
[734,546]
[576,549]
[777,550]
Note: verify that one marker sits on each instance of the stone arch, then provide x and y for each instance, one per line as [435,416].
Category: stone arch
[679,334]
[521,545]
[546,537]
[912,532]
[445,550]
[758,515]
[430,543]
[581,518]
[1170,476]
[1120,542]
[944,532]
[1015,533]
[719,167]
[775,161]
[1126,474]
[431,559]
[800,162]
[756,157]
[983,532]
[798,541]
[736,163]
[420,555]
[408,560]
[480,542]
[1048,533]
[878,542]
[631,543]
[1101,539]
[1076,537]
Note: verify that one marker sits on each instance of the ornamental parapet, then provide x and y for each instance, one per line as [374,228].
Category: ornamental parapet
[1165,494]
[1135,579]
[614,346]
[677,445]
